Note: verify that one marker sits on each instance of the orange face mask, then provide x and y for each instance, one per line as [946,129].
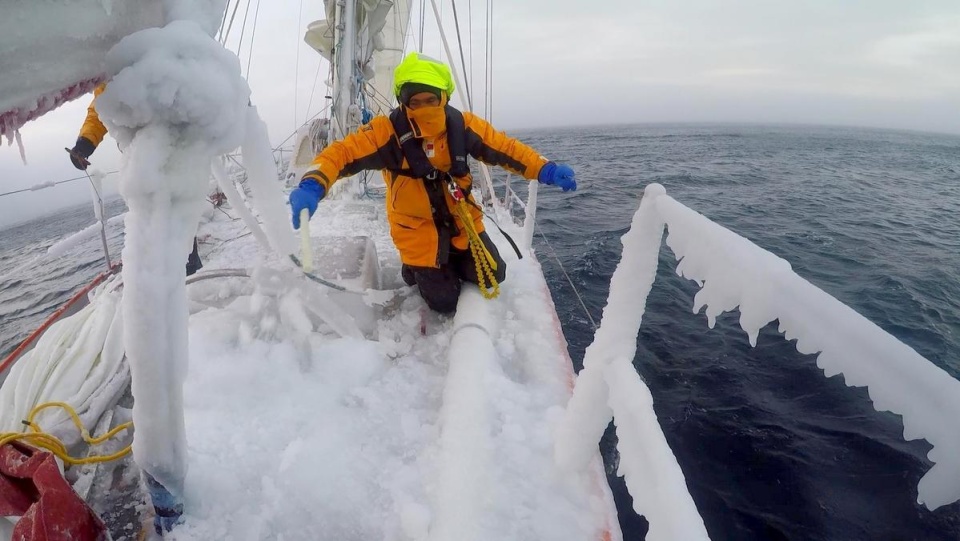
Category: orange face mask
[428,121]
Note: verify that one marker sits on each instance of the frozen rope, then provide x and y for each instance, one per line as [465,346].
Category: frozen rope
[569,281]
[218,273]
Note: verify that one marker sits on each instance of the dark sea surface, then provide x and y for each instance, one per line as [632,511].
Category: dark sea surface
[34,284]
[771,449]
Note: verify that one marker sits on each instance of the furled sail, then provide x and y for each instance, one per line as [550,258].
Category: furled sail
[382,28]
[382,32]
[388,53]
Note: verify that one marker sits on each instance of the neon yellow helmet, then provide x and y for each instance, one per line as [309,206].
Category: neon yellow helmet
[418,68]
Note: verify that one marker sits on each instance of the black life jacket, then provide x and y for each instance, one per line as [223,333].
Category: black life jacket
[434,180]
[412,148]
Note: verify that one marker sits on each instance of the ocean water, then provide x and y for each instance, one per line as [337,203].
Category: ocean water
[771,449]
[33,284]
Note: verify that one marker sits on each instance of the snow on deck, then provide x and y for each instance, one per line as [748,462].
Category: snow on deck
[302,434]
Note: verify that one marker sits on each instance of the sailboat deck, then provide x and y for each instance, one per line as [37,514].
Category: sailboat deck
[295,432]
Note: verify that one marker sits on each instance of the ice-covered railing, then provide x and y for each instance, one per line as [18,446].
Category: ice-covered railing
[735,273]
[609,386]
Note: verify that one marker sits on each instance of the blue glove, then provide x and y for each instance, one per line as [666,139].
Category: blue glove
[559,174]
[306,196]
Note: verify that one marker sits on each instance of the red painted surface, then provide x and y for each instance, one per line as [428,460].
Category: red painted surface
[32,488]
[11,120]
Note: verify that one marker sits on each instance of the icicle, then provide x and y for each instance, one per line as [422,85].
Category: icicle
[735,272]
[268,198]
[23,154]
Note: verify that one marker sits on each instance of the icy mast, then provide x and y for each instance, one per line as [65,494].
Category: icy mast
[174,101]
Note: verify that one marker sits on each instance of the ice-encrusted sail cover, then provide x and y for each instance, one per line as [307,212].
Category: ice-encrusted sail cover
[53,51]
[386,54]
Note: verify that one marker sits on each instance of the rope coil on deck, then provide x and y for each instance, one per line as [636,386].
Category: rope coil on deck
[43,440]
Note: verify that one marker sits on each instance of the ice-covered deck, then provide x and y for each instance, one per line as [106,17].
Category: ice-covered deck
[296,432]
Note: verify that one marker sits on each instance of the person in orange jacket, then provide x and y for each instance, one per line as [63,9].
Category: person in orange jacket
[91,135]
[422,148]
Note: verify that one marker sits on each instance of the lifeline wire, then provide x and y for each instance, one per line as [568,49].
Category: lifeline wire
[562,269]
[57,183]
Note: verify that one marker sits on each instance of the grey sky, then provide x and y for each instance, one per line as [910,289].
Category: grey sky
[870,63]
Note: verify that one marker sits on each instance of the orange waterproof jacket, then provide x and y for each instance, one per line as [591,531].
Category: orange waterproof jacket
[92,129]
[375,146]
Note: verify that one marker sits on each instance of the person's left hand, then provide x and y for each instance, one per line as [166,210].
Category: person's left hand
[560,175]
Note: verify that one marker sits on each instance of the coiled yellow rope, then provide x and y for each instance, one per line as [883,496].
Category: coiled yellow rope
[41,439]
[486,264]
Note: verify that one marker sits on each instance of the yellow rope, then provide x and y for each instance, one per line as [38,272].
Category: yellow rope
[486,264]
[39,438]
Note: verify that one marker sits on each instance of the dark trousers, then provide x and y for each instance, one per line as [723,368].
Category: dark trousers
[193,260]
[440,288]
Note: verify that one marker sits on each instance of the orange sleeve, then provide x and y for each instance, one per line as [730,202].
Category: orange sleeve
[356,152]
[92,128]
[496,148]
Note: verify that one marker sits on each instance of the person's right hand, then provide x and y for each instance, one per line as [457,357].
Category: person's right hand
[80,152]
[305,196]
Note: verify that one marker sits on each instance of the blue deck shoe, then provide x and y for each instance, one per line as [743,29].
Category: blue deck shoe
[167,507]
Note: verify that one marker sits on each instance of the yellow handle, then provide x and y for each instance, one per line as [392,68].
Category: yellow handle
[306,254]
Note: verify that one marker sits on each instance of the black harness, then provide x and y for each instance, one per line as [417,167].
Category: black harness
[434,180]
[419,165]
